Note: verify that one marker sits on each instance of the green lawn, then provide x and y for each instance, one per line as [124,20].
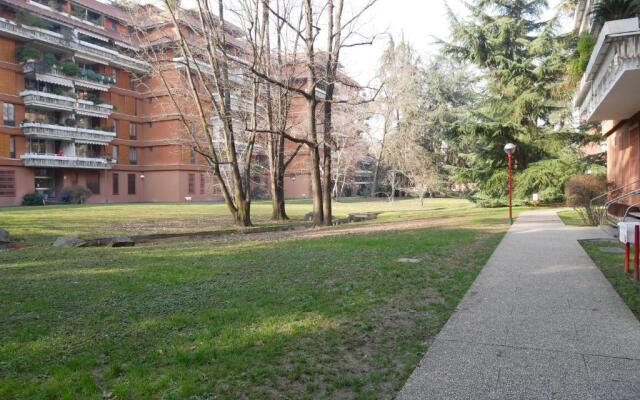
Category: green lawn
[612,266]
[571,217]
[44,224]
[335,317]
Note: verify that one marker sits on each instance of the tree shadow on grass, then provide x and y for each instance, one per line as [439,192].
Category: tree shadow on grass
[337,316]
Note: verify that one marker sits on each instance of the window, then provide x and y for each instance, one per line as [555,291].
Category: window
[116,184]
[131,183]
[201,183]
[192,156]
[189,33]
[132,131]
[7,183]
[12,147]
[93,183]
[8,114]
[114,26]
[192,183]
[133,156]
[132,86]
[114,153]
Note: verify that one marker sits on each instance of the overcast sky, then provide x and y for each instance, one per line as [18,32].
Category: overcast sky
[418,20]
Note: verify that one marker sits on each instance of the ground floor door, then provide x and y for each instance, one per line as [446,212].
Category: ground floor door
[49,182]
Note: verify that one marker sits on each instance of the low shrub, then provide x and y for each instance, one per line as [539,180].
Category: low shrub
[495,202]
[580,190]
[76,194]
[70,68]
[33,199]
[24,53]
[49,59]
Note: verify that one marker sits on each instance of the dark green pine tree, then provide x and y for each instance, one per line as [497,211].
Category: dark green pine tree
[523,63]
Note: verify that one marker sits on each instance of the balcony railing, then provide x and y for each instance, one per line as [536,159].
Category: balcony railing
[112,56]
[85,107]
[32,33]
[53,74]
[50,101]
[79,135]
[602,95]
[82,47]
[34,98]
[53,161]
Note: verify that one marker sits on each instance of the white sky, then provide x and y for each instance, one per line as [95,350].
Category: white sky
[418,20]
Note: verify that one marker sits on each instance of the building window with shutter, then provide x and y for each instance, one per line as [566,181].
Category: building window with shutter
[114,153]
[8,114]
[7,183]
[192,183]
[12,147]
[133,134]
[192,157]
[131,183]
[116,184]
[133,156]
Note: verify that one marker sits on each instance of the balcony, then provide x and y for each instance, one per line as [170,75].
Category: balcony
[86,50]
[53,161]
[79,135]
[98,53]
[49,101]
[53,74]
[33,33]
[609,87]
[85,107]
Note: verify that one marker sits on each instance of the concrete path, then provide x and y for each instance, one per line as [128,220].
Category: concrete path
[540,322]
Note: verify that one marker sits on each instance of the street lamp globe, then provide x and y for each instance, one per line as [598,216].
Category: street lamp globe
[509,148]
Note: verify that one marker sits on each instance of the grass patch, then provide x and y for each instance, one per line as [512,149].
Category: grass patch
[571,217]
[612,266]
[336,317]
[44,224]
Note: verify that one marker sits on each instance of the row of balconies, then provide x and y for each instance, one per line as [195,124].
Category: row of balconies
[82,48]
[50,101]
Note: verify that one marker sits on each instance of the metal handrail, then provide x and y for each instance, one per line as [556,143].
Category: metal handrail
[608,204]
[612,191]
[626,213]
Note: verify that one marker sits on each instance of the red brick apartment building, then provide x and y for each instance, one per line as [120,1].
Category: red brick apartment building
[609,92]
[78,107]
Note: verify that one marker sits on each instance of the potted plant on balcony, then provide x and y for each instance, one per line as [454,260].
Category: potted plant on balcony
[29,19]
[27,54]
[611,10]
[70,122]
[70,68]
[94,98]
[91,75]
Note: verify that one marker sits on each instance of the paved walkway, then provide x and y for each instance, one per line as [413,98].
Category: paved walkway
[540,322]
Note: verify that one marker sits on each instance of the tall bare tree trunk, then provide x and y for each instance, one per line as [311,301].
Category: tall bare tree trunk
[275,143]
[312,129]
